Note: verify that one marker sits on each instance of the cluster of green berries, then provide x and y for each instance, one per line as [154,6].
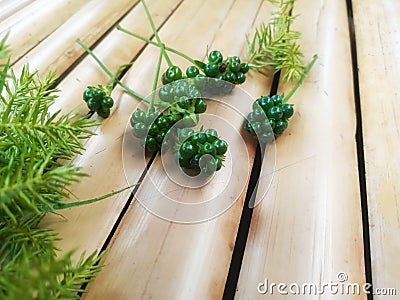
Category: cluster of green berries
[98,100]
[152,127]
[184,101]
[224,74]
[184,104]
[230,70]
[184,97]
[269,113]
[195,145]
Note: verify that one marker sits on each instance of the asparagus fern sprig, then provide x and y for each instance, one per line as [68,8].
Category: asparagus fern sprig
[32,143]
[46,277]
[275,45]
[36,146]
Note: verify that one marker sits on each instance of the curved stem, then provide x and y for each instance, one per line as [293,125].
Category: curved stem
[153,27]
[113,78]
[303,76]
[59,206]
[180,54]
[116,74]
[169,49]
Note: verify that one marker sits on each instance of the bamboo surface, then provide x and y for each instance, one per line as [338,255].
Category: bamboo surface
[10,7]
[377,40]
[308,228]
[33,23]
[308,225]
[88,28]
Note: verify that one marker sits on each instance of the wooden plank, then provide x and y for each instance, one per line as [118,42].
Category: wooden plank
[36,21]
[59,50]
[7,23]
[308,228]
[110,52]
[377,38]
[9,7]
[102,159]
[165,260]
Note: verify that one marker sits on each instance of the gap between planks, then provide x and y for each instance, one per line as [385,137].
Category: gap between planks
[360,152]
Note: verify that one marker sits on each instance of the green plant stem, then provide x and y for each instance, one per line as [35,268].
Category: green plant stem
[59,206]
[115,79]
[104,68]
[153,27]
[116,74]
[303,76]
[155,82]
[156,44]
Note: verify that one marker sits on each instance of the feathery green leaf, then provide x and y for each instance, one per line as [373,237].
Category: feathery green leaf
[35,147]
[275,45]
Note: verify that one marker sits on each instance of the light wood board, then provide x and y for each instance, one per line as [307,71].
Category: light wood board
[35,22]
[308,228]
[377,37]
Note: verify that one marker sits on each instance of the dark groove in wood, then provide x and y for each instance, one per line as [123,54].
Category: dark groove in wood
[360,150]
[247,213]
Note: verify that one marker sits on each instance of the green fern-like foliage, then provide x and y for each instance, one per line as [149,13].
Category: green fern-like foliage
[275,45]
[23,236]
[30,268]
[32,143]
[36,146]
[45,277]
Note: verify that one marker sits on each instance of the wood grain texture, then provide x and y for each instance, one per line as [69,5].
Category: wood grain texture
[59,50]
[36,21]
[308,228]
[150,258]
[378,38]
[9,7]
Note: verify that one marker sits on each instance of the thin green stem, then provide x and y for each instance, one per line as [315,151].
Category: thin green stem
[153,27]
[181,55]
[58,206]
[155,82]
[104,68]
[165,54]
[300,81]
[116,74]
[108,72]
[169,49]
